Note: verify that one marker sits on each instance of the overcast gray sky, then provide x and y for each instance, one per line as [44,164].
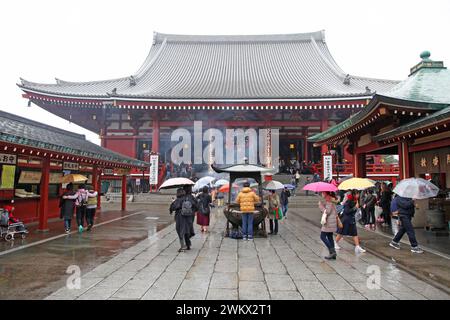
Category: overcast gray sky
[86,40]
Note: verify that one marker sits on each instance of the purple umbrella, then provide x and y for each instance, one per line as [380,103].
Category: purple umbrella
[320,187]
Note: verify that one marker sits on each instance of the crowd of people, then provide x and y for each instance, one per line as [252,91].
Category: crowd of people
[341,212]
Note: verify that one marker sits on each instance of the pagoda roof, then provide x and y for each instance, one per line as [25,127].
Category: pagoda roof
[234,67]
[417,125]
[427,88]
[22,131]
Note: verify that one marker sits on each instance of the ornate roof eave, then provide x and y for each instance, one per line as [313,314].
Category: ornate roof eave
[365,117]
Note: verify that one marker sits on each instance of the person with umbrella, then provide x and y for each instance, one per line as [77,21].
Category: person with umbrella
[407,190]
[67,206]
[329,224]
[184,207]
[349,223]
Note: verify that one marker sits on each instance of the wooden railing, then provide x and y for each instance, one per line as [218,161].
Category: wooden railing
[372,170]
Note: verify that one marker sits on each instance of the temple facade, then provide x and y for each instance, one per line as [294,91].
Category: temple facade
[288,82]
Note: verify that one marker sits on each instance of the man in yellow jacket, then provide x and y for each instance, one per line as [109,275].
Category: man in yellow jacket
[246,200]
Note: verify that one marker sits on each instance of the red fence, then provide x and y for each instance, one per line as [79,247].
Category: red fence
[374,171]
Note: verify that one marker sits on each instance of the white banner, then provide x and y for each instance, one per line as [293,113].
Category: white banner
[154,169]
[327,167]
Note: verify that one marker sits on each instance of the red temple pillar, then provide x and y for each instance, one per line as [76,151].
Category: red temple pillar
[359,165]
[43,201]
[155,135]
[305,146]
[323,127]
[95,176]
[124,192]
[404,161]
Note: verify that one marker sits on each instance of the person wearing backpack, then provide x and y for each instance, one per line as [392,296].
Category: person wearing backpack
[81,206]
[67,205]
[204,201]
[184,207]
[90,208]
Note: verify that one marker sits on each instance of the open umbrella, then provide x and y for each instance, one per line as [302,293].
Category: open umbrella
[176,183]
[320,187]
[289,186]
[416,188]
[203,182]
[356,184]
[274,185]
[226,188]
[74,178]
[221,182]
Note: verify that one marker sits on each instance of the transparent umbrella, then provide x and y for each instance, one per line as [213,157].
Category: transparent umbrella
[416,188]
[205,181]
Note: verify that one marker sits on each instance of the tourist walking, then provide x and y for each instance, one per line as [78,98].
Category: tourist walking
[284,198]
[385,203]
[204,202]
[406,210]
[184,209]
[330,222]
[193,200]
[369,209]
[297,177]
[91,207]
[274,204]
[247,200]
[67,205]
[81,204]
[349,223]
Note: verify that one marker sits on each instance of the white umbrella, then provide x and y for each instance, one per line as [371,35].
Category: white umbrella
[176,182]
[274,185]
[203,182]
[416,188]
[221,182]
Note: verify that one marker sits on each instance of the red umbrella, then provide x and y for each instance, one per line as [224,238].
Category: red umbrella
[320,187]
[226,188]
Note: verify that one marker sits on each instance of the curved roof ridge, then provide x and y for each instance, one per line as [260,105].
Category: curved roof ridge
[317,35]
[374,79]
[336,69]
[150,60]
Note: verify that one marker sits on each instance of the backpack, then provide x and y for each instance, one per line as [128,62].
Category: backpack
[83,199]
[202,207]
[186,207]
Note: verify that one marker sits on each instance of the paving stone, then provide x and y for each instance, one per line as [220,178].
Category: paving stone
[347,295]
[252,290]
[229,265]
[411,295]
[224,281]
[251,274]
[285,295]
[277,282]
[222,294]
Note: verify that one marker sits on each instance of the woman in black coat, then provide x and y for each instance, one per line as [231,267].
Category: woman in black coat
[204,203]
[67,205]
[349,223]
[183,223]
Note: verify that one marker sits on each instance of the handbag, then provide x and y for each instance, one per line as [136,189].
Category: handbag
[278,213]
[323,220]
[339,223]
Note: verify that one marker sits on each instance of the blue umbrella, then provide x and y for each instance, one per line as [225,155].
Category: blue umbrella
[289,186]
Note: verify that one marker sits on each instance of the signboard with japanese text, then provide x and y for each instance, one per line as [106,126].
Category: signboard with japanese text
[8,158]
[71,166]
[30,177]
[327,167]
[55,177]
[122,172]
[154,169]
[108,172]
[7,179]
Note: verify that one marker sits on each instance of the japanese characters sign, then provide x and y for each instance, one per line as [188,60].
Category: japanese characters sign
[327,167]
[71,166]
[8,158]
[154,169]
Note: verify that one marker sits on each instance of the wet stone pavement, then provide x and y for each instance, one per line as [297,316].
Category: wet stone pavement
[289,265]
[38,270]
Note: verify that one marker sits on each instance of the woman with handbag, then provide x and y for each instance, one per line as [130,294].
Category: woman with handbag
[349,223]
[274,212]
[330,222]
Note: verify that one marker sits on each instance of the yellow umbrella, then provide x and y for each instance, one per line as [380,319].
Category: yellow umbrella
[356,184]
[74,178]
